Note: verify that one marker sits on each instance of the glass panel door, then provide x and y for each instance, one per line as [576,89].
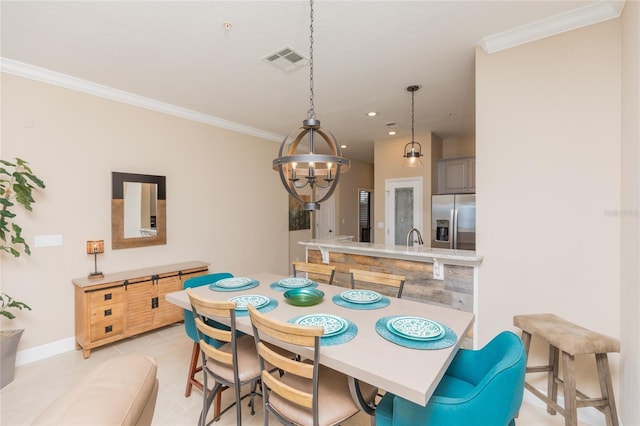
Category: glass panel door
[403,209]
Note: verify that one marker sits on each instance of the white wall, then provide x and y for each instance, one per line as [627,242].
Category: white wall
[217,203]
[548,176]
[389,163]
[630,227]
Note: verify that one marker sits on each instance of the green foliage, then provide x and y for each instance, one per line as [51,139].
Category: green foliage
[17,183]
[7,302]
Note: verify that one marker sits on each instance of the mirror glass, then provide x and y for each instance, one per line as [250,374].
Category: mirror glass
[138,210]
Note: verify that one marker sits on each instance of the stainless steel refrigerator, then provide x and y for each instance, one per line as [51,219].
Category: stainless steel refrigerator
[453,221]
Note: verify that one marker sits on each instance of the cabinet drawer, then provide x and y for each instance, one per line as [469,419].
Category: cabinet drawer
[105,297]
[104,329]
[110,312]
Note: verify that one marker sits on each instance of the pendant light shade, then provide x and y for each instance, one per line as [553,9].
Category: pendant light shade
[303,165]
[412,150]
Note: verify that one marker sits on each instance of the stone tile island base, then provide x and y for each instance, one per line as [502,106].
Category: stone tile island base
[455,291]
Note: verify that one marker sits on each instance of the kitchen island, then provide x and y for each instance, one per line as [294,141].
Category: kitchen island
[438,276]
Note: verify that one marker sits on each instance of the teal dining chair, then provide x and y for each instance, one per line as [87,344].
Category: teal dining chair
[190,328]
[482,387]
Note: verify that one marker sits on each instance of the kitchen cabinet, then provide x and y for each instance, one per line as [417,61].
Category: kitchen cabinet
[457,175]
[124,304]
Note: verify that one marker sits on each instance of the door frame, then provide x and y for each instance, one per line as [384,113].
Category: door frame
[415,182]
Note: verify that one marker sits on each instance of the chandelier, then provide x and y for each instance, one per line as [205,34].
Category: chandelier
[410,153]
[302,166]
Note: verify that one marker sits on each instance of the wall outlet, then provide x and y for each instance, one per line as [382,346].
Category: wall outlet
[380,225]
[438,270]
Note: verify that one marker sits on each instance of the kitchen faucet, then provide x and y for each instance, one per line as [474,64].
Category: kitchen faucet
[419,240]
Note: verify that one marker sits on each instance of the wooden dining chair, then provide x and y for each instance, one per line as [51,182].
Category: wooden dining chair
[231,360]
[380,278]
[301,392]
[325,272]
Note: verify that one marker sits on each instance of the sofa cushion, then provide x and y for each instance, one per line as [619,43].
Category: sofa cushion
[121,391]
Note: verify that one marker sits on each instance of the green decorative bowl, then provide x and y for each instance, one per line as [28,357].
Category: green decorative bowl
[303,296]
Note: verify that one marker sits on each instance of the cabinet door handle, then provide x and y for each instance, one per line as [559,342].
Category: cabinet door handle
[107,312]
[108,329]
[108,296]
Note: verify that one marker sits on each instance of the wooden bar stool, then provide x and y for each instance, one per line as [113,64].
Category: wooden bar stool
[569,339]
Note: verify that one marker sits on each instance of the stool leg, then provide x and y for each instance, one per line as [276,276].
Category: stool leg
[193,368]
[552,376]
[606,388]
[526,341]
[569,378]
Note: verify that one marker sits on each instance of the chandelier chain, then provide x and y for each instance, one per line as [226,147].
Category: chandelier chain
[311,113]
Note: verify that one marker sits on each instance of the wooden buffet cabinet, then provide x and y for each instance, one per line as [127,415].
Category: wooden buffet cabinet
[124,304]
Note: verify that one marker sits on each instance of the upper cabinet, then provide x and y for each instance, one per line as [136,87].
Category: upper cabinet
[457,175]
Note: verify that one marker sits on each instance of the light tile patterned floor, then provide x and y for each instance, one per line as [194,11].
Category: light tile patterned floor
[37,384]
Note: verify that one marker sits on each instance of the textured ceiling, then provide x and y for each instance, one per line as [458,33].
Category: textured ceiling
[365,55]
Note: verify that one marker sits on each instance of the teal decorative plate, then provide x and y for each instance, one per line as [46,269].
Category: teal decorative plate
[225,286]
[303,296]
[360,296]
[448,339]
[273,303]
[243,301]
[332,324]
[348,334]
[295,282]
[234,282]
[382,303]
[415,328]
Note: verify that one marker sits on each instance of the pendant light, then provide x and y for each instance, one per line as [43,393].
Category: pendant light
[412,154]
[310,170]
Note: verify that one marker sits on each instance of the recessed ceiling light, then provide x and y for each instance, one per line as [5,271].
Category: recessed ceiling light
[393,132]
[343,146]
[372,114]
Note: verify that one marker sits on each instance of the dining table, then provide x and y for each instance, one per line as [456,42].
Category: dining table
[366,352]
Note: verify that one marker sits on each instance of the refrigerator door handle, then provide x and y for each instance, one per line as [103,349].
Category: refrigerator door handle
[452,230]
[455,228]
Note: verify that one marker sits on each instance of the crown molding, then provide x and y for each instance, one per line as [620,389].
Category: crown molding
[591,14]
[44,75]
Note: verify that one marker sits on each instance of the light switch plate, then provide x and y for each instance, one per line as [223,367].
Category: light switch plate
[47,240]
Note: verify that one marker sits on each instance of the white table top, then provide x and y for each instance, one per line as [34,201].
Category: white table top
[410,373]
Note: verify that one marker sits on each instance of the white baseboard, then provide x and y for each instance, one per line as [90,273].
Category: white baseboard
[45,351]
[587,415]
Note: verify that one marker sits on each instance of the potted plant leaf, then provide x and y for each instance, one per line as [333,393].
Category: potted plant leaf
[17,183]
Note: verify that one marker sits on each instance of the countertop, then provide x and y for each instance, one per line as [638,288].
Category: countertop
[414,253]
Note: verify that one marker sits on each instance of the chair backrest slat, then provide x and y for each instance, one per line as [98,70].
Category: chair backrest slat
[327,272]
[391,280]
[285,364]
[289,393]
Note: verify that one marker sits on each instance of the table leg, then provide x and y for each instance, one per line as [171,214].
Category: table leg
[356,394]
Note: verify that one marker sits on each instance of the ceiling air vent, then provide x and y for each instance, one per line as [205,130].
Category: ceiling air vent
[286,59]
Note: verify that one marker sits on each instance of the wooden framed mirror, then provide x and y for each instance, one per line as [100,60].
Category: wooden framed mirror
[138,210]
